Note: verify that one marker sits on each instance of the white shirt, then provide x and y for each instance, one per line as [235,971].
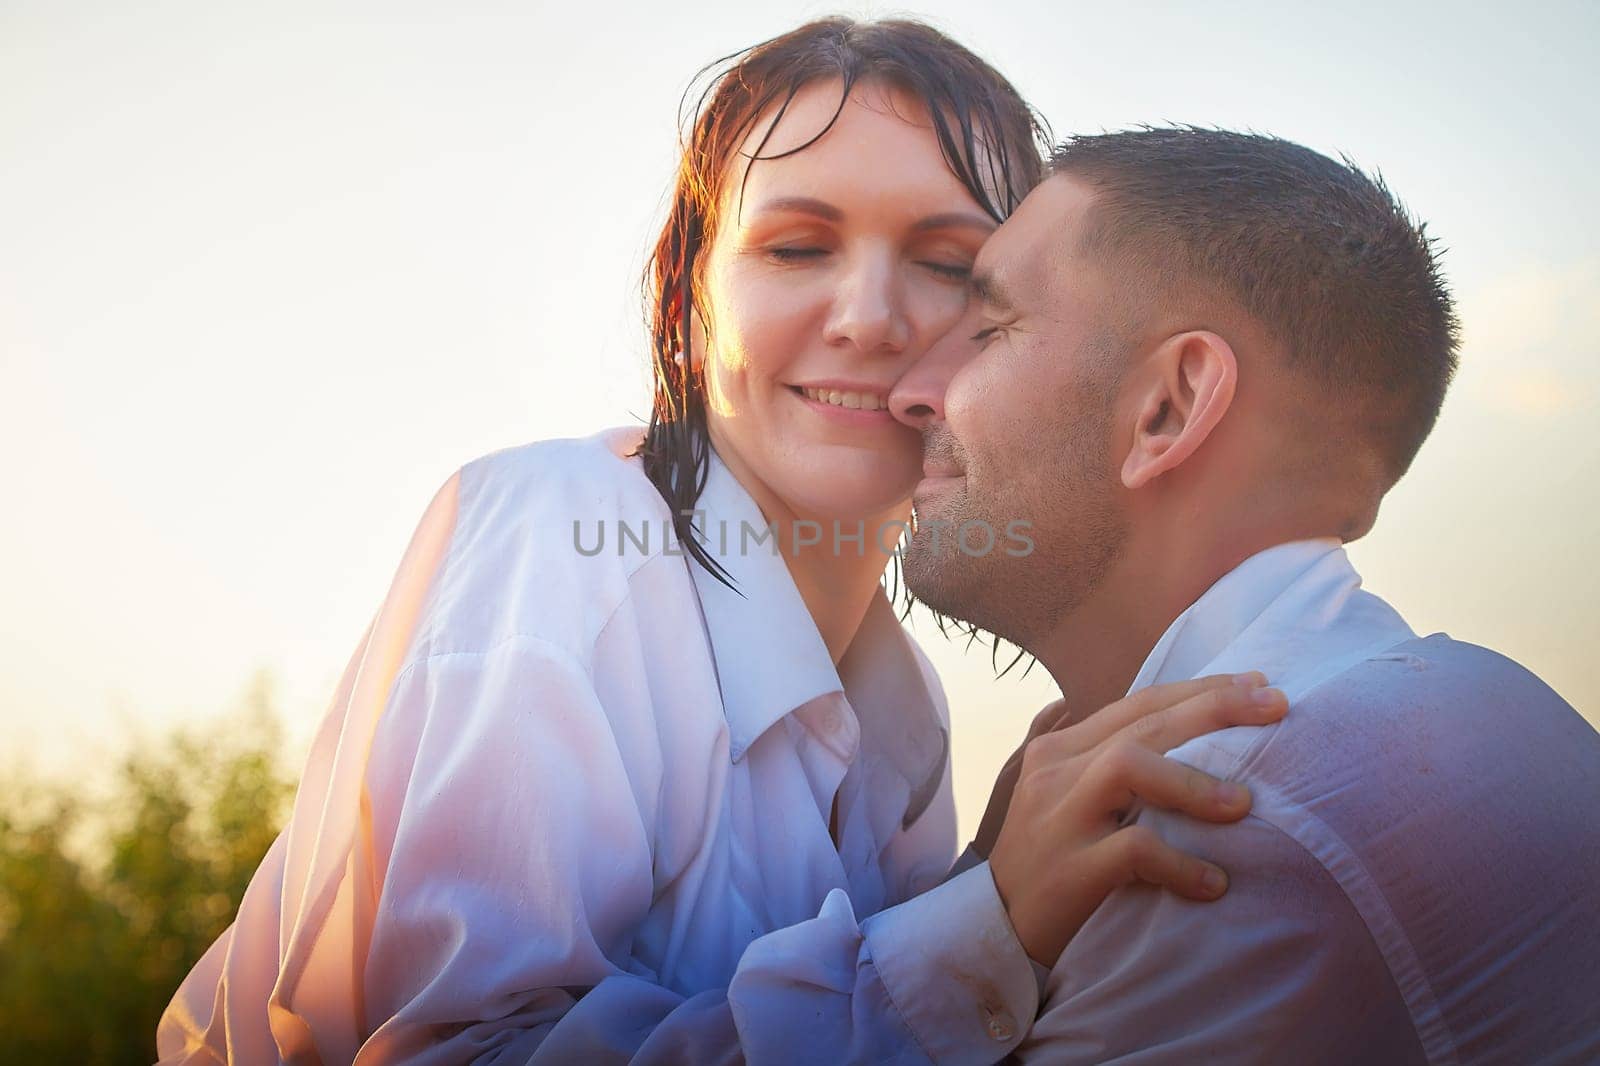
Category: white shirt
[574,807]
[1416,880]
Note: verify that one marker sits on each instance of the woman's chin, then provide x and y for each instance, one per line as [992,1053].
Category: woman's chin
[859,494]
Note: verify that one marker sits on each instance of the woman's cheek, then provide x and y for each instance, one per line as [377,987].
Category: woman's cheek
[939,305]
[774,317]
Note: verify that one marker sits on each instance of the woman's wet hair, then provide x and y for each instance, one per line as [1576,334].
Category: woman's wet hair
[993,141]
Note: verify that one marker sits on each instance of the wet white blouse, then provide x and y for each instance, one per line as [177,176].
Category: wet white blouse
[573,806]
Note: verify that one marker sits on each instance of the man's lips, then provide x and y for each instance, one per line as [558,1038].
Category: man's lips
[936,481]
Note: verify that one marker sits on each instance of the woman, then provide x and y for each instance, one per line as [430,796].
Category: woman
[589,792]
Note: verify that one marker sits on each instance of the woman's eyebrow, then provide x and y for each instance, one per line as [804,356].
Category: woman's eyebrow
[804,205]
[956,220]
[808,205]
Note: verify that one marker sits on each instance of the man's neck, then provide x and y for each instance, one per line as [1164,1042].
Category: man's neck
[1095,652]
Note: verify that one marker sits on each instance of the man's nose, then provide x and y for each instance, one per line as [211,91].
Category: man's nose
[918,397]
[869,310]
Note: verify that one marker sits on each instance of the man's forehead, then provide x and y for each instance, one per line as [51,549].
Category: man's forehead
[1022,255]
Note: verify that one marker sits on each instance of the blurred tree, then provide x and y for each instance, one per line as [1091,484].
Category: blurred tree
[106,903]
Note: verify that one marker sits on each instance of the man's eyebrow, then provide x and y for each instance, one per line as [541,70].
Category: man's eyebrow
[989,292]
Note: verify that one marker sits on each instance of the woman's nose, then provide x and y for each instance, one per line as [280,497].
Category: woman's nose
[868,311]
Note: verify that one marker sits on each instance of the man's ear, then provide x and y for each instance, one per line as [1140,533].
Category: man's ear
[1189,386]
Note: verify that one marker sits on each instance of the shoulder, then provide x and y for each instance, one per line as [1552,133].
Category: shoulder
[1438,778]
[1437,763]
[1430,700]
[1436,671]
[1444,778]
[536,549]
[1403,759]
[538,484]
[1441,704]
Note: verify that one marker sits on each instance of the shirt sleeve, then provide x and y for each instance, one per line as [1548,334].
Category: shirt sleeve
[1280,969]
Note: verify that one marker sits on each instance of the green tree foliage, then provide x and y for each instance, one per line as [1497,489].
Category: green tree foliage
[107,900]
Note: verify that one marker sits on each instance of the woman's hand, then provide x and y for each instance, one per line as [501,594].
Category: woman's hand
[1062,844]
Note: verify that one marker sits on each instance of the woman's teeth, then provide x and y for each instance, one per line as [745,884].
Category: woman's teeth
[864,401]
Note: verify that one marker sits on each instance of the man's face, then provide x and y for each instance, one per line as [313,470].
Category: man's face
[1016,406]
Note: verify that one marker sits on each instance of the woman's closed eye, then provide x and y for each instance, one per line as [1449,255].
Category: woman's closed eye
[950,271]
[953,271]
[796,254]
[983,336]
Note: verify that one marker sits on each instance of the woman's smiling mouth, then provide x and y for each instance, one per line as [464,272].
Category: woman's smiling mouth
[851,405]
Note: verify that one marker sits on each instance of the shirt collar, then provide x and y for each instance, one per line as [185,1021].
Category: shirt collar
[771,660]
[1295,611]
[889,690]
[769,657]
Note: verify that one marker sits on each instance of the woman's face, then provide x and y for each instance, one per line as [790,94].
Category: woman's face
[841,266]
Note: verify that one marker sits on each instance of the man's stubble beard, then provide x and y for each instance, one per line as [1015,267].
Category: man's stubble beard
[1076,525]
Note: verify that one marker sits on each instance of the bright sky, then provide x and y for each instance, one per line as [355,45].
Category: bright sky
[269,273]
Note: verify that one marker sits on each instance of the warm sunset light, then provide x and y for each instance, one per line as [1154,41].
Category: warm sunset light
[269,277]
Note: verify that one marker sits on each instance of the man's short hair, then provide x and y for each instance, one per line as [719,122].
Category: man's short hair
[1320,255]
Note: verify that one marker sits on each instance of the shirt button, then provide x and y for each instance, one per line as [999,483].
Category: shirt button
[1000,1025]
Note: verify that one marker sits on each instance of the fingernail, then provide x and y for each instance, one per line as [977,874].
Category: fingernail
[1254,677]
[1267,695]
[1230,794]
[1213,880]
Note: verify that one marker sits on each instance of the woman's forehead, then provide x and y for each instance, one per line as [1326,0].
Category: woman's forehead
[882,139]
[814,105]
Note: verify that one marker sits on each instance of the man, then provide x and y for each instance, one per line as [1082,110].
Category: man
[1196,362]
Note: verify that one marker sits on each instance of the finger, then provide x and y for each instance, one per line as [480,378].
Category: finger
[1125,772]
[1138,853]
[1113,718]
[1211,710]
